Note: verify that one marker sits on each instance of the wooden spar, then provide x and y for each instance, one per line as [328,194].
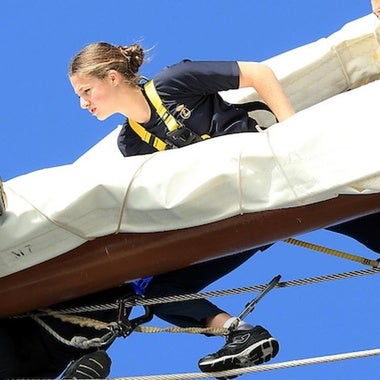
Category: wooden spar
[114,259]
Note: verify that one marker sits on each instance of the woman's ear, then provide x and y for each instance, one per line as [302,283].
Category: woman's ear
[114,77]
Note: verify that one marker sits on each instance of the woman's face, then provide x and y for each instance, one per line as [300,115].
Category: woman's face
[96,95]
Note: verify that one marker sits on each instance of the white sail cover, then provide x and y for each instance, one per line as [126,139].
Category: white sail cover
[324,150]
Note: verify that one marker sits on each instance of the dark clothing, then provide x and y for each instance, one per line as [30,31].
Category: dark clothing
[192,280]
[194,85]
[365,230]
[27,350]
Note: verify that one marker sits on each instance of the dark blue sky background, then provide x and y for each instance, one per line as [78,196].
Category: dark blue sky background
[42,125]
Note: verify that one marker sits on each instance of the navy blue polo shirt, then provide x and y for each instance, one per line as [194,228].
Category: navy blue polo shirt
[194,85]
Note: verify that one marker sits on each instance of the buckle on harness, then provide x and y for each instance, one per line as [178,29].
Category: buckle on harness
[125,325]
[183,136]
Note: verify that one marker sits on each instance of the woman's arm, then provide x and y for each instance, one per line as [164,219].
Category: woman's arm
[264,81]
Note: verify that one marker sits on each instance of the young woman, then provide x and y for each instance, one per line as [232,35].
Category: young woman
[106,78]
[107,81]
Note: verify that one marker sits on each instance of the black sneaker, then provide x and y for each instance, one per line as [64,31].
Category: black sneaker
[96,365]
[244,348]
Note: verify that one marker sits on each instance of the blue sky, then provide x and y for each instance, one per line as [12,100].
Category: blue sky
[42,125]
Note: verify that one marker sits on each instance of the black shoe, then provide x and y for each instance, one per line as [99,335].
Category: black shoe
[96,365]
[244,348]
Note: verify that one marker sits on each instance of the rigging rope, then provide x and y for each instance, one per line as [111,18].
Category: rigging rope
[219,293]
[83,321]
[260,368]
[334,252]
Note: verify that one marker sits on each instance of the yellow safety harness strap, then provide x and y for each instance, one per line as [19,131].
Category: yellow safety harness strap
[164,114]
[169,120]
[147,136]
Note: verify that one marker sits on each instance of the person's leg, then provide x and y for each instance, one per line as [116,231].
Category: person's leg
[246,345]
[364,229]
[192,280]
